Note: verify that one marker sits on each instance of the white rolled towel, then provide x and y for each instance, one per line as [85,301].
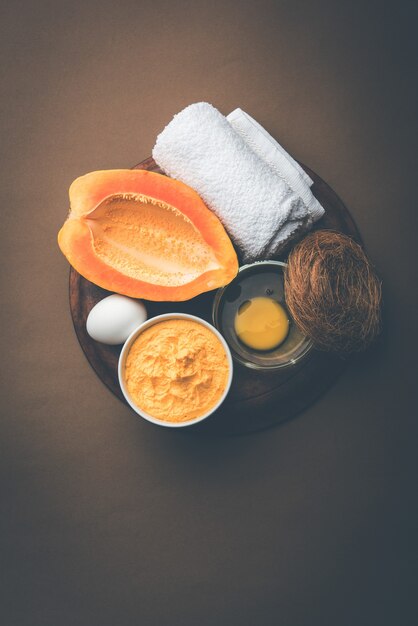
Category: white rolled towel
[260,194]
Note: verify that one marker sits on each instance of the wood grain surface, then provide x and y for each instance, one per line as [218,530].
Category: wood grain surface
[256,400]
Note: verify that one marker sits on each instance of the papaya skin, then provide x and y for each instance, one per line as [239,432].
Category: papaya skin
[76,240]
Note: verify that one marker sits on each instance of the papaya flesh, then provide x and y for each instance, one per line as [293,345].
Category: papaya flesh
[144,235]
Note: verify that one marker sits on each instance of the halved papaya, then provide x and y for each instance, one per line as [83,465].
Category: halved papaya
[145,235]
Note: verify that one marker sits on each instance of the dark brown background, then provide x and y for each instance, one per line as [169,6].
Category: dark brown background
[107,520]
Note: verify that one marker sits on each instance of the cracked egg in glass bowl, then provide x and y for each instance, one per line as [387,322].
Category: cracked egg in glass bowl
[251,314]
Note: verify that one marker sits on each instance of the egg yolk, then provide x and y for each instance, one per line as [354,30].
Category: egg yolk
[261,323]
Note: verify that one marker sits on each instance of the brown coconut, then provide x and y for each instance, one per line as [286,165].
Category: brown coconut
[333,293]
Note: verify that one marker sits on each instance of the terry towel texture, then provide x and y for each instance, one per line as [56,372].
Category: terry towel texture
[260,194]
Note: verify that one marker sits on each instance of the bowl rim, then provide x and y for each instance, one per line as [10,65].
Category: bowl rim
[235,356]
[125,350]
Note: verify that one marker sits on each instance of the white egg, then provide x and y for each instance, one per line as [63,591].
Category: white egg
[113,319]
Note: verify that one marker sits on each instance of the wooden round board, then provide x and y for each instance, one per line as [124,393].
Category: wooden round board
[256,399]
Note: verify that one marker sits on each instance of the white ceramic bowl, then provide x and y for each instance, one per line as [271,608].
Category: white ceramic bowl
[127,345]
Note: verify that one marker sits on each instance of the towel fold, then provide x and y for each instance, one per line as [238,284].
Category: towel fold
[260,194]
[269,149]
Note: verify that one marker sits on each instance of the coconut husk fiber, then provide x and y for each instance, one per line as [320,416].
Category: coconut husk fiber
[333,293]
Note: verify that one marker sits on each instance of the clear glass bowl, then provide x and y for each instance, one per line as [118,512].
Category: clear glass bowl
[263,278]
